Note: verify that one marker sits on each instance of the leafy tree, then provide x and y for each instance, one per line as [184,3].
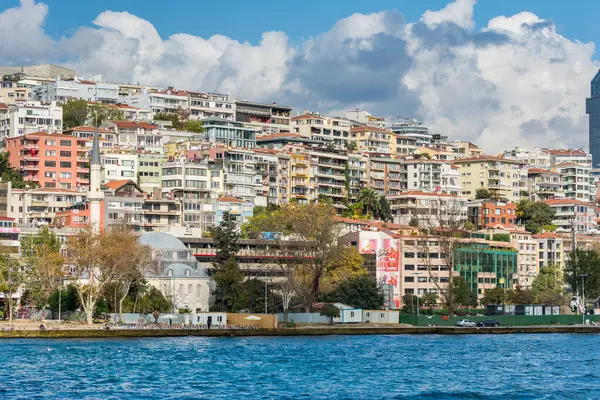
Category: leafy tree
[493,296]
[429,299]
[351,146]
[584,262]
[12,175]
[225,237]
[330,311]
[384,212]
[349,264]
[501,237]
[462,295]
[154,302]
[194,126]
[178,119]
[409,303]
[370,200]
[324,199]
[483,193]
[414,221]
[69,300]
[521,296]
[100,113]
[11,278]
[550,298]
[534,215]
[359,292]
[75,113]
[467,226]
[228,278]
[357,209]
[548,280]
[251,297]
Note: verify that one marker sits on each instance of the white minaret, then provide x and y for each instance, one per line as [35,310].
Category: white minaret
[95,195]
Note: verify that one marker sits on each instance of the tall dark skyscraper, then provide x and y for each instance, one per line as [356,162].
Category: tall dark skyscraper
[592,107]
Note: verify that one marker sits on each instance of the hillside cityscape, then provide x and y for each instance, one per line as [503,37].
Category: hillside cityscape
[232,192]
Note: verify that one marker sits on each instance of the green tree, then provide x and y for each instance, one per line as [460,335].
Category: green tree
[194,126]
[228,278]
[409,303]
[75,113]
[324,199]
[370,200]
[548,279]
[384,212]
[359,292]
[535,215]
[351,146]
[501,237]
[251,297]
[521,296]
[154,302]
[429,299]
[330,311]
[12,175]
[462,293]
[483,193]
[69,300]
[584,262]
[225,237]
[493,296]
[100,113]
[11,278]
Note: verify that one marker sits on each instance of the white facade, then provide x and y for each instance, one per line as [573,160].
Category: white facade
[28,117]
[429,175]
[62,91]
[577,181]
[119,166]
[169,101]
[535,158]
[578,156]
[215,105]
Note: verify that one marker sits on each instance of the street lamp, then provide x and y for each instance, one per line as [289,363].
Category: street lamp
[417,274]
[583,296]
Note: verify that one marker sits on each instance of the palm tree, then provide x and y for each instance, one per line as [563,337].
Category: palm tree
[370,199]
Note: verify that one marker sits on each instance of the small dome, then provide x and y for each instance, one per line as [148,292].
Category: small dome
[177,270]
[162,241]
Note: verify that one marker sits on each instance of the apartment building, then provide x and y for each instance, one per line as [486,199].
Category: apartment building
[238,168]
[211,105]
[5,195]
[131,113]
[427,209]
[536,158]
[364,118]
[160,214]
[575,156]
[375,140]
[140,135]
[413,129]
[550,250]
[149,171]
[329,130]
[327,175]
[22,118]
[227,132]
[9,236]
[466,149]
[266,118]
[123,203]
[577,181]
[12,91]
[27,206]
[501,176]
[430,175]
[273,176]
[169,101]
[50,160]
[62,91]
[571,213]
[435,152]
[527,257]
[486,214]
[384,174]
[300,189]
[544,184]
[278,141]
[119,164]
[357,173]
[107,138]
[240,210]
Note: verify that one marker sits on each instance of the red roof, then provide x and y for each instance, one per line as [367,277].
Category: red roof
[278,135]
[567,201]
[370,129]
[486,158]
[547,235]
[114,185]
[133,124]
[46,134]
[307,116]
[6,219]
[351,221]
[3,106]
[420,193]
[173,92]
[570,164]
[230,200]
[541,171]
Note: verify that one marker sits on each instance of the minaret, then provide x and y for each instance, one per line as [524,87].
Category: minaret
[95,195]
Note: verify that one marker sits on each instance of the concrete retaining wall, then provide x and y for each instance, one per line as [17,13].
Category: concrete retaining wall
[505,320]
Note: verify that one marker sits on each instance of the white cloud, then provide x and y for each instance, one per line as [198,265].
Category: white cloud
[515,82]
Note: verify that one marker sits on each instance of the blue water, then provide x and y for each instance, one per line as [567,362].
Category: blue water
[334,367]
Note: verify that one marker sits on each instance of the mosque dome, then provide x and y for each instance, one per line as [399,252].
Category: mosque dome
[161,241]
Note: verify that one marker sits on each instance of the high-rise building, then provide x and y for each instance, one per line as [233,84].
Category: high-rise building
[592,107]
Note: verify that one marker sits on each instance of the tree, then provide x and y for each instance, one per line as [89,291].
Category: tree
[584,262]
[152,301]
[11,278]
[548,279]
[228,278]
[12,175]
[370,200]
[194,126]
[384,212]
[44,265]
[462,294]
[493,296]
[501,237]
[351,146]
[75,113]
[521,296]
[534,215]
[349,264]
[69,300]
[330,311]
[429,299]
[409,303]
[483,193]
[251,297]
[225,237]
[359,292]
[324,199]
[98,114]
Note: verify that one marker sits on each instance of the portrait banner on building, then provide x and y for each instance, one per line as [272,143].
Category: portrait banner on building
[388,261]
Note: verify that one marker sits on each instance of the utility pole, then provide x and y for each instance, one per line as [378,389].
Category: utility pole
[583,297]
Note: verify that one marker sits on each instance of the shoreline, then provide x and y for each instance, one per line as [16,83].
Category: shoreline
[310,331]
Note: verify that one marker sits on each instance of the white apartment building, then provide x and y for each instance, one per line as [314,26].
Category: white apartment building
[12,91]
[215,105]
[413,129]
[31,116]
[131,113]
[536,158]
[28,206]
[323,129]
[363,117]
[427,209]
[118,165]
[239,172]
[107,138]
[169,101]
[527,257]
[63,90]
[577,156]
[431,175]
[551,250]
[140,135]
[266,118]
[577,181]
[544,184]
[571,213]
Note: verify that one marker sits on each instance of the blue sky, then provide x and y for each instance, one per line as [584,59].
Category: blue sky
[246,20]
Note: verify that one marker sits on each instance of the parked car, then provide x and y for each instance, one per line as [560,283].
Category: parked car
[466,323]
[488,322]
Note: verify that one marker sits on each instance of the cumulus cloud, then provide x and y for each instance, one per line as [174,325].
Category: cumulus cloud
[517,81]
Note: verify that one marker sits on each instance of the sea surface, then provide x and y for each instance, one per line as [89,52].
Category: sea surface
[545,366]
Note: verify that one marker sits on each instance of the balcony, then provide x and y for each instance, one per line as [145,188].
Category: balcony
[30,168]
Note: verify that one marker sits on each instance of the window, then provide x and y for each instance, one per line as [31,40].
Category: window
[409,255]
[49,163]
[50,142]
[50,153]
[409,291]
[65,143]
[409,267]
[422,279]
[66,175]
[409,279]
[127,174]
[65,153]
[65,164]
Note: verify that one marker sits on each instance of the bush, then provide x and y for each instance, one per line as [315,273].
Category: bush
[461,312]
[440,311]
[290,324]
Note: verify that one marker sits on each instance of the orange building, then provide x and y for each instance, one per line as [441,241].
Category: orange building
[52,160]
[492,214]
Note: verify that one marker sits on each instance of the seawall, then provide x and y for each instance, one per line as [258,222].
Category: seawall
[316,331]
